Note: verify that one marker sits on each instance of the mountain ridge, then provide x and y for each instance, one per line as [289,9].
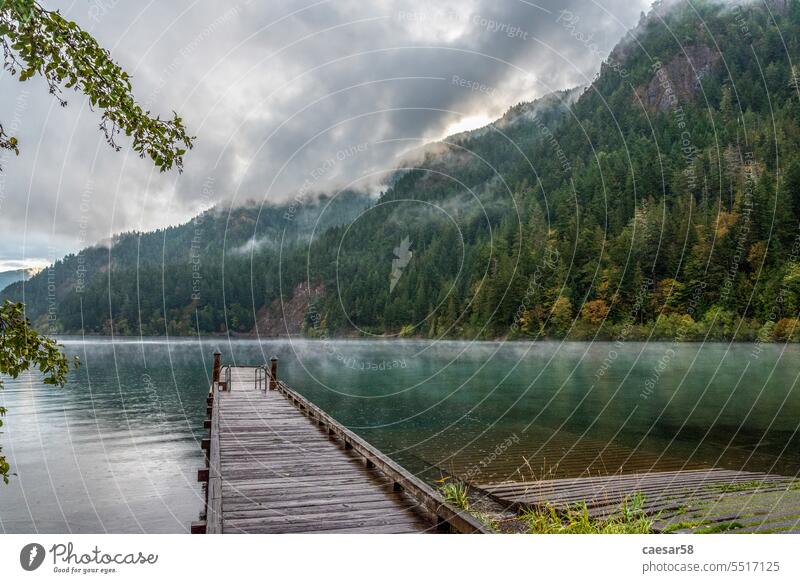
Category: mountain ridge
[632,212]
[14,275]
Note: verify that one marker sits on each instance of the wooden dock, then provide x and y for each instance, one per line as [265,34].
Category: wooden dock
[713,500]
[278,464]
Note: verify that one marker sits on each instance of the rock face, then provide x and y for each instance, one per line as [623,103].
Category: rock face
[679,80]
[286,318]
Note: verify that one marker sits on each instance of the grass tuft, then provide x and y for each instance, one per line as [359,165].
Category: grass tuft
[629,519]
[739,486]
[683,525]
[720,527]
[456,493]
[487,520]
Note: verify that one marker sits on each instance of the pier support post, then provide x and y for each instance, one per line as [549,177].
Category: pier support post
[273,373]
[217,366]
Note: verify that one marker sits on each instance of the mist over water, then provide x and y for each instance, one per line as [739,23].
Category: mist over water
[118,448]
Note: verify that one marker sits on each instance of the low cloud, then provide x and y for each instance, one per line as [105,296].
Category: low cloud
[272,91]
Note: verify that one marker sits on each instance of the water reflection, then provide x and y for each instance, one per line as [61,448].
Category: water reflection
[117,449]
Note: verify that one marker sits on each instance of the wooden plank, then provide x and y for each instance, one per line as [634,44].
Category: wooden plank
[392,524]
[214,516]
[320,516]
[304,507]
[663,492]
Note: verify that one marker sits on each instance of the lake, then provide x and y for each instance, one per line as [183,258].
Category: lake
[117,449]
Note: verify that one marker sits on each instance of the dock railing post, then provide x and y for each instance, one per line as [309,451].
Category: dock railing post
[273,373]
[217,366]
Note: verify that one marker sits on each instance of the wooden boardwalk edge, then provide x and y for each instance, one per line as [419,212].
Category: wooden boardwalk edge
[445,514]
[214,490]
[690,499]
[211,521]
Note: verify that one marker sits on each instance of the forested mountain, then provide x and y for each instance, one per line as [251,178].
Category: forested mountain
[172,280]
[663,202]
[14,275]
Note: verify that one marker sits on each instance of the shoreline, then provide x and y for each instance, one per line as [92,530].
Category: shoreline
[78,338]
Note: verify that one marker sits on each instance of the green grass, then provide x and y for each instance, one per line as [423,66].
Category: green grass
[754,485]
[456,493]
[739,487]
[683,525]
[720,527]
[487,520]
[629,519]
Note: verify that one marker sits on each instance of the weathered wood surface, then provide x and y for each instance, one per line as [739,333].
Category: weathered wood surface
[214,488]
[281,473]
[684,500]
[446,516]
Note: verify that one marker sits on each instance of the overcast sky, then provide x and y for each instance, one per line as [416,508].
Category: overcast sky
[273,90]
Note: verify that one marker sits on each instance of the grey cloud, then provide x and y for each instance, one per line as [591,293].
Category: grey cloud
[274,90]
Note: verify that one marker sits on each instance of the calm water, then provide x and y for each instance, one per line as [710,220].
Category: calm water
[117,450]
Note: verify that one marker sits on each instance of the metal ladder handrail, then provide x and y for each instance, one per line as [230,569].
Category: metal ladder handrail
[225,373]
[261,376]
[260,380]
